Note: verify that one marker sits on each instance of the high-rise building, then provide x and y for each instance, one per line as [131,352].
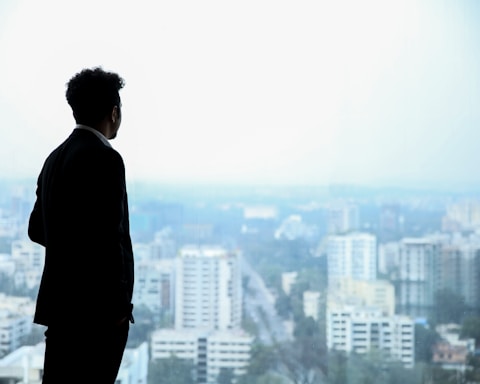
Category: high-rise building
[208,314]
[457,268]
[208,289]
[414,277]
[353,255]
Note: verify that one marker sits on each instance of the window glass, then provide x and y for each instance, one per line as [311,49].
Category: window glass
[302,180]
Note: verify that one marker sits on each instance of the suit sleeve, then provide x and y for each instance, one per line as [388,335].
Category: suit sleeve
[36,231]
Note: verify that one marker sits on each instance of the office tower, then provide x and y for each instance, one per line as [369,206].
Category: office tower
[208,289]
[352,255]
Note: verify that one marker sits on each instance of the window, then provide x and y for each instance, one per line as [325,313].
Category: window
[361,118]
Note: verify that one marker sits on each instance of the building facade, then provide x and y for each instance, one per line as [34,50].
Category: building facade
[352,255]
[361,330]
[208,289]
[208,351]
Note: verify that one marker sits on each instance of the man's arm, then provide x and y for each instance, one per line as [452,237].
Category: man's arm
[36,231]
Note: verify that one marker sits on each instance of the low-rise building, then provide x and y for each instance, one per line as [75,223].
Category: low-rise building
[311,304]
[25,365]
[154,286]
[209,351]
[14,328]
[451,352]
[361,330]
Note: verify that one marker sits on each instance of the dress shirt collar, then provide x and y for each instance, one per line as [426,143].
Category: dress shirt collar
[95,132]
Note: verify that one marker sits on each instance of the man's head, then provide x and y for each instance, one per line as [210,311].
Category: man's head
[93,95]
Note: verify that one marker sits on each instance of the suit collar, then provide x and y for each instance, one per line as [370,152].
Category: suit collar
[95,132]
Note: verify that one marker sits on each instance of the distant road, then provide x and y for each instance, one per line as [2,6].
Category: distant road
[260,305]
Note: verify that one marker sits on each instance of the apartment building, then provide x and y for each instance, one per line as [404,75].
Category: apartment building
[209,351]
[377,294]
[414,276]
[353,255]
[208,289]
[362,329]
[14,327]
[154,286]
[25,365]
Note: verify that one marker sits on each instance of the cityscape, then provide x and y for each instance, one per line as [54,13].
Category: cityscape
[275,284]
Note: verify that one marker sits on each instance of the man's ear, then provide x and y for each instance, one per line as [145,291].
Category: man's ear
[114,116]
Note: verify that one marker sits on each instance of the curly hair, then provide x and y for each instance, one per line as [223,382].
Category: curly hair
[92,93]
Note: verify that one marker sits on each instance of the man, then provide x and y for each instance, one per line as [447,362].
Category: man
[81,218]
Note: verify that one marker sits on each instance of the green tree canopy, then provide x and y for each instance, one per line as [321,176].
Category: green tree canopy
[225,376]
[425,338]
[449,307]
[471,329]
[172,371]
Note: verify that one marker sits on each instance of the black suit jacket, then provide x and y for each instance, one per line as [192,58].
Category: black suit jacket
[81,217]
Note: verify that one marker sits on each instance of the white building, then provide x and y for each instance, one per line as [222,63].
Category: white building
[14,327]
[20,305]
[288,279]
[154,285]
[29,259]
[311,304]
[25,365]
[378,294]
[209,351]
[293,228]
[208,289]
[134,366]
[28,255]
[361,330]
[7,265]
[352,255]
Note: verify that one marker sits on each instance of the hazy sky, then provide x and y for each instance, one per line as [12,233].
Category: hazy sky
[255,90]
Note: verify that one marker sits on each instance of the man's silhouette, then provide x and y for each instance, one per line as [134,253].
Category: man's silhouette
[81,217]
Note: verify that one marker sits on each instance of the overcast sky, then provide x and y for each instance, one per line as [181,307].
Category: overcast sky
[271,91]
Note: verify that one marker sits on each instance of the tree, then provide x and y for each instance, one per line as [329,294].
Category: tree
[471,329]
[262,359]
[172,371]
[449,307]
[225,376]
[304,361]
[425,339]
[283,305]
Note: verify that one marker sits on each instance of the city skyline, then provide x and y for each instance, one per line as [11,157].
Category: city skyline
[258,92]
